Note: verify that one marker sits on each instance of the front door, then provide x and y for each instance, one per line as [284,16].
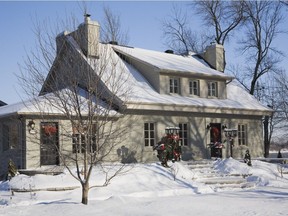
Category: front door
[215,140]
[49,144]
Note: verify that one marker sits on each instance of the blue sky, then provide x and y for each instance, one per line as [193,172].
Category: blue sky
[142,19]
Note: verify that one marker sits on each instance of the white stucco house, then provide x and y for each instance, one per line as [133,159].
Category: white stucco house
[189,91]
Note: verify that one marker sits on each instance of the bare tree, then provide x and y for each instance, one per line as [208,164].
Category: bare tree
[262,27]
[89,90]
[275,96]
[282,96]
[222,16]
[111,30]
[285,2]
[179,36]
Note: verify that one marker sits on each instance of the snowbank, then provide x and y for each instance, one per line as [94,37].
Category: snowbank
[150,189]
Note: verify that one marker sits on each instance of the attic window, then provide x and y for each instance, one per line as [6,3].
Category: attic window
[174,84]
[213,89]
[194,88]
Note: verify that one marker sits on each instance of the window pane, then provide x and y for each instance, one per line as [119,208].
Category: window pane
[175,82]
[183,134]
[185,126]
[174,85]
[242,134]
[212,89]
[149,134]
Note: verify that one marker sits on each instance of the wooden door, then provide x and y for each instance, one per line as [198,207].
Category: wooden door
[49,143]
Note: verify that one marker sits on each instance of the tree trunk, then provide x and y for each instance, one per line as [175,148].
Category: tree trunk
[266,140]
[85,190]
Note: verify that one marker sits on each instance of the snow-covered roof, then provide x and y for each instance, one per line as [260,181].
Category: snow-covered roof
[27,107]
[237,97]
[51,104]
[141,92]
[171,62]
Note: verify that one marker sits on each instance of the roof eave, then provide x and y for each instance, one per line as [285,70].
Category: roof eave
[194,108]
[214,76]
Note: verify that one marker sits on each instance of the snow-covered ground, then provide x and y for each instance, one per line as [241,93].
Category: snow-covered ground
[150,189]
[274,154]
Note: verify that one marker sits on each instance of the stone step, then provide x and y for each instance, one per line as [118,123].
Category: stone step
[226,187]
[200,162]
[218,181]
[200,166]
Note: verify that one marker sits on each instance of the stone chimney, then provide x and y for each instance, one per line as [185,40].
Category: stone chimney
[87,36]
[214,55]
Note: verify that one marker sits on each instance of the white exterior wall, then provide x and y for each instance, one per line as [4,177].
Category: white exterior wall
[132,140]
[198,136]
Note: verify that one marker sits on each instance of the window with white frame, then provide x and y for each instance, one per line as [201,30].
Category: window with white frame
[183,133]
[242,134]
[80,141]
[174,85]
[149,134]
[213,89]
[194,88]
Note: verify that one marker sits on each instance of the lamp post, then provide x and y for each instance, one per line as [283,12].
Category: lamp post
[230,134]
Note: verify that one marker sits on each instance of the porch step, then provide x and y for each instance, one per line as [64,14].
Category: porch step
[222,180]
[225,187]
[201,162]
[215,180]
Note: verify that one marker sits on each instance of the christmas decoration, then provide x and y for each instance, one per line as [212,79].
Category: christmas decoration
[168,148]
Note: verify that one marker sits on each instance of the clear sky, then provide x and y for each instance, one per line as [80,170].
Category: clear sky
[142,19]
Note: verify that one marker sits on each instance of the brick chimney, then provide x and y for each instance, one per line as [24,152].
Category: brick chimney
[87,36]
[214,55]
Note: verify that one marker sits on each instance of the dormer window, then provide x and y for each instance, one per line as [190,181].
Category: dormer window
[213,89]
[194,88]
[174,85]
